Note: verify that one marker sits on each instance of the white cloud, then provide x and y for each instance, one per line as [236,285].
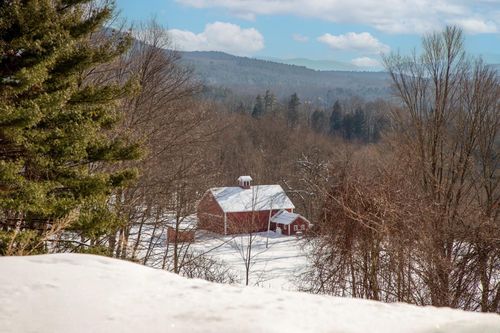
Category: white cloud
[300,38]
[353,41]
[219,36]
[245,16]
[393,16]
[365,62]
[476,26]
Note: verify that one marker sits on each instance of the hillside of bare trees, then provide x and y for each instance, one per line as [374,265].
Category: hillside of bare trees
[416,218]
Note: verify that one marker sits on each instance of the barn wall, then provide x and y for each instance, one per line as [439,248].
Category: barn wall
[243,222]
[182,235]
[299,222]
[210,215]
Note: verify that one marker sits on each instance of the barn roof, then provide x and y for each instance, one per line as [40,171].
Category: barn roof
[256,198]
[285,217]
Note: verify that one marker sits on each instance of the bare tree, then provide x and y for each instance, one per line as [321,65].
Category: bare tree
[208,268]
[416,219]
[176,128]
[450,111]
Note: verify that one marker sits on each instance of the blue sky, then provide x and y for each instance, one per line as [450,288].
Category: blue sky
[352,31]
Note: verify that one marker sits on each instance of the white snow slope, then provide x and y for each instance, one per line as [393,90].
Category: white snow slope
[84,293]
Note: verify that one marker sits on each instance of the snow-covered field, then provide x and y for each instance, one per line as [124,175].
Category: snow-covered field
[276,266]
[84,293]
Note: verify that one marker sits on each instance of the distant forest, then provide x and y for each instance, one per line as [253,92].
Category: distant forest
[227,74]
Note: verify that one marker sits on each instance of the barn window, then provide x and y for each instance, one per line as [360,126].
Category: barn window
[303,227]
[295,227]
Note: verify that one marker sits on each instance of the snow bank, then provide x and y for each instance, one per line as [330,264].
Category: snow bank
[84,293]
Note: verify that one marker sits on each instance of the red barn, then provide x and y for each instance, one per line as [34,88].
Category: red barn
[243,208]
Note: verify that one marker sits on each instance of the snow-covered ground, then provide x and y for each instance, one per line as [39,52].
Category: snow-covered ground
[85,293]
[276,266]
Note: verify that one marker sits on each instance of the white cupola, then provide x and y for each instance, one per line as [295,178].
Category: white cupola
[245,181]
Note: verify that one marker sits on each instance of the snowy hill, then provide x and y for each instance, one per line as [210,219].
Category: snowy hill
[84,293]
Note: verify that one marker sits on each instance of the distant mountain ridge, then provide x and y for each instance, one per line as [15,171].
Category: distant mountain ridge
[252,76]
[318,65]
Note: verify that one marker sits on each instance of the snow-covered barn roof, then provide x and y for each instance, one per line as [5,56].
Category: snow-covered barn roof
[285,217]
[256,198]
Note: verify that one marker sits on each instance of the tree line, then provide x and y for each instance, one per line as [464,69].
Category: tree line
[352,119]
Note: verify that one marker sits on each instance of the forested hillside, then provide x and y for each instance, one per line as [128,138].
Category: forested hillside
[251,76]
[317,65]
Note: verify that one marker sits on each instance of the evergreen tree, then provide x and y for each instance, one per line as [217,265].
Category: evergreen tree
[258,108]
[336,119]
[358,124]
[318,121]
[269,101]
[348,126]
[53,124]
[293,110]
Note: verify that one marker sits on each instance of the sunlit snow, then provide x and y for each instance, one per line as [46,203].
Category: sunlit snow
[84,293]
